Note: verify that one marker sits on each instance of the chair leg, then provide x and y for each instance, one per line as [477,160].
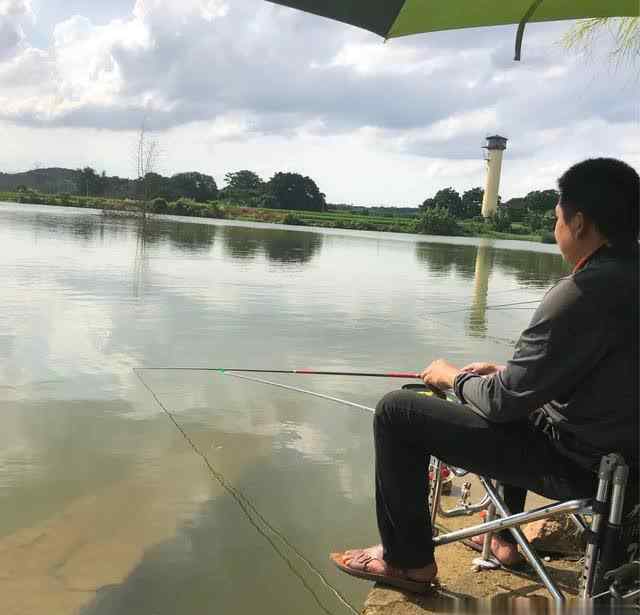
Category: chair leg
[436,491]
[529,553]
[605,474]
[579,522]
[611,553]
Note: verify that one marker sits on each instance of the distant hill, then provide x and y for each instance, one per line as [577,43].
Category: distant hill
[54,180]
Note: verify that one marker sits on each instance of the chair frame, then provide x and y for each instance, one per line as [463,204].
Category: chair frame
[609,498]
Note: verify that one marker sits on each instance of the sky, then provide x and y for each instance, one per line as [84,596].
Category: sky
[246,84]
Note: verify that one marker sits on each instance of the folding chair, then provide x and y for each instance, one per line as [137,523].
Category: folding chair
[611,566]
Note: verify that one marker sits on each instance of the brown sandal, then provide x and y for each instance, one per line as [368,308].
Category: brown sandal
[395,577]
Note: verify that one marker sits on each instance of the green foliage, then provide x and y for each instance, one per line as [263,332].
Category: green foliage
[243,181]
[291,218]
[541,221]
[541,200]
[534,220]
[624,33]
[196,186]
[150,185]
[215,211]
[501,221]
[548,237]
[437,221]
[295,191]
[159,206]
[448,199]
[189,207]
[472,202]
[244,187]
[89,182]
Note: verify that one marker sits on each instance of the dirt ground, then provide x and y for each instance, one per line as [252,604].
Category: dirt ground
[463,589]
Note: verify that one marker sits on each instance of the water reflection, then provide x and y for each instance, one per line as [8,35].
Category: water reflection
[445,259]
[188,237]
[477,319]
[281,246]
[533,269]
[530,270]
[104,503]
[184,237]
[200,564]
[86,228]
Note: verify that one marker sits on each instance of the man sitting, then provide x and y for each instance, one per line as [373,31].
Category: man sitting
[574,370]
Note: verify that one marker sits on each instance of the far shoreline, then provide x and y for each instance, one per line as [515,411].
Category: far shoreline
[223,210]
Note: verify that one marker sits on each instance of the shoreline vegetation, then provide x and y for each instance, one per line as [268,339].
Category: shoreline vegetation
[435,221]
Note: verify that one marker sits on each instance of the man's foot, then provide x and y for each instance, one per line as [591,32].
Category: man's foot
[505,552]
[368,564]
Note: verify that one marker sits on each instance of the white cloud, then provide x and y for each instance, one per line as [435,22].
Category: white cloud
[16,8]
[253,85]
[13,15]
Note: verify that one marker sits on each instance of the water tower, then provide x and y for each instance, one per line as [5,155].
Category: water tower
[495,146]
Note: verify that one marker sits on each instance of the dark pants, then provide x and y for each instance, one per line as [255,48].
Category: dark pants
[409,427]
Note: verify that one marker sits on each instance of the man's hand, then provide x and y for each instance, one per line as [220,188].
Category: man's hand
[482,369]
[440,374]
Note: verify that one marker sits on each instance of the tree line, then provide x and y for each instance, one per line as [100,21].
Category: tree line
[443,212]
[247,195]
[282,191]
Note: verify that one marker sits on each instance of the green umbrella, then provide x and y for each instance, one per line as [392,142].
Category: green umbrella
[393,18]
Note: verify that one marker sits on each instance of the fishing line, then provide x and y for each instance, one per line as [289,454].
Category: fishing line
[504,341]
[299,390]
[446,394]
[245,505]
[488,307]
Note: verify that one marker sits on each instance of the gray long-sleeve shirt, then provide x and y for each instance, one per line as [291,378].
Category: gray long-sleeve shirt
[577,359]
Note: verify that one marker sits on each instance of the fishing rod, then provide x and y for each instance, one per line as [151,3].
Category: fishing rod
[304,371]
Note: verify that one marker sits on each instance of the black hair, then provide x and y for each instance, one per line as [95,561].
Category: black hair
[607,191]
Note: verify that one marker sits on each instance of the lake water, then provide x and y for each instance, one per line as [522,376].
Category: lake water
[230,500]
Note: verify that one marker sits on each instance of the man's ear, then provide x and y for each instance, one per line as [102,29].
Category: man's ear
[579,225]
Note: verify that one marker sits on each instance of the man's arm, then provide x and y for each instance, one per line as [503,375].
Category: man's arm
[563,343]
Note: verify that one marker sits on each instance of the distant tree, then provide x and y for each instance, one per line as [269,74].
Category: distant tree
[501,220]
[472,202]
[146,154]
[437,221]
[89,182]
[448,199]
[295,191]
[196,186]
[535,220]
[243,180]
[154,185]
[541,200]
[244,186]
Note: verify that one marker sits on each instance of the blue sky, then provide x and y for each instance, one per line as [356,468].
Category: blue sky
[248,84]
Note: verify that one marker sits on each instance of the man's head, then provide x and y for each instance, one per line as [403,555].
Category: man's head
[599,203]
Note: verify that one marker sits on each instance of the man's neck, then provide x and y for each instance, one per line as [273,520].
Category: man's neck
[587,252]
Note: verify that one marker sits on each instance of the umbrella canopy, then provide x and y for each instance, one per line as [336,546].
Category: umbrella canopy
[393,18]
